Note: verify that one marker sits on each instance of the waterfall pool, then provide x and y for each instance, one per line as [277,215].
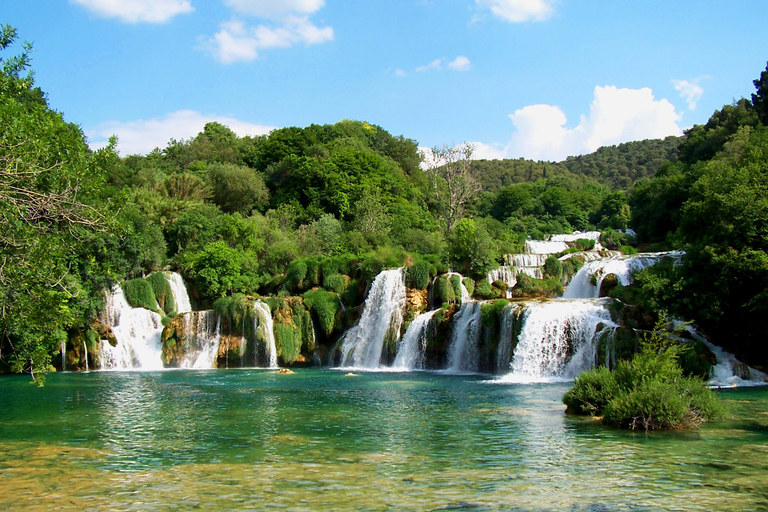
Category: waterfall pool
[321,440]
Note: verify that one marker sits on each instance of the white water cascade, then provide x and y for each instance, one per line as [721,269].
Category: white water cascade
[202,330]
[382,316]
[138,332]
[264,330]
[463,355]
[64,355]
[507,333]
[587,282]
[85,351]
[559,339]
[410,354]
[179,290]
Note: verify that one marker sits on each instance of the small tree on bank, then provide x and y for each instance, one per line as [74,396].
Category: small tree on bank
[452,183]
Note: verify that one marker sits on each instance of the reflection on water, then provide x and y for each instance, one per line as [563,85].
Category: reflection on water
[318,440]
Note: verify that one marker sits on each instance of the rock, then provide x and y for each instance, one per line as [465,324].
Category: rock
[284,371]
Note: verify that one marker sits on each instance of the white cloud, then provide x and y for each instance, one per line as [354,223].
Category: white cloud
[236,42]
[436,64]
[400,72]
[480,151]
[460,63]
[274,8]
[137,11]
[142,136]
[519,11]
[691,92]
[616,116]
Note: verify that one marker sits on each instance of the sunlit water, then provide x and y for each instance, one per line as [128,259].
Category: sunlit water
[321,440]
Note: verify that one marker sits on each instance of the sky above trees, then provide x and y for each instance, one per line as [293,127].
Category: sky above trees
[540,79]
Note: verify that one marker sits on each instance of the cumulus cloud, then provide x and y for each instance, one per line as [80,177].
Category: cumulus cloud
[238,42]
[519,11]
[691,92]
[137,11]
[273,9]
[288,24]
[460,63]
[616,115]
[144,135]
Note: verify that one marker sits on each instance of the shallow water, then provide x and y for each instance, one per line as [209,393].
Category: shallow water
[320,440]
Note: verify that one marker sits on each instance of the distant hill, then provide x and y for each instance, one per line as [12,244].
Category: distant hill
[616,167]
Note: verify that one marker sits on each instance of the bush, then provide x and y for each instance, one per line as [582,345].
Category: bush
[417,275]
[336,283]
[325,305]
[486,291]
[491,312]
[628,250]
[469,284]
[649,392]
[162,290]
[288,342]
[456,284]
[139,294]
[585,244]
[553,267]
[297,272]
[445,291]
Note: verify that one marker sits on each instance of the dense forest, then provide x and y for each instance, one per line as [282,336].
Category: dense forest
[322,209]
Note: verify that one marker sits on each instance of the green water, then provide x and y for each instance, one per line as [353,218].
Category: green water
[321,440]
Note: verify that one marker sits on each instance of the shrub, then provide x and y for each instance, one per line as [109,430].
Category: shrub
[628,250]
[418,275]
[325,305]
[288,342]
[162,290]
[456,285]
[490,313]
[553,267]
[649,392]
[486,291]
[585,244]
[139,294]
[238,309]
[469,284]
[336,283]
[297,272]
[445,291]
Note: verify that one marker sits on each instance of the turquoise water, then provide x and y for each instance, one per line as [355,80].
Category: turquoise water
[321,440]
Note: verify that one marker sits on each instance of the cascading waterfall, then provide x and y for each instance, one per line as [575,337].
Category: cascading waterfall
[264,330]
[510,328]
[582,286]
[202,331]
[410,354]
[85,351]
[382,316]
[179,290]
[558,339]
[64,355]
[137,331]
[462,349]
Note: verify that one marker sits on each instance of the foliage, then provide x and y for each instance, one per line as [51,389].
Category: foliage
[469,284]
[162,291]
[418,275]
[236,188]
[491,313]
[445,291]
[453,185]
[553,267]
[139,294]
[336,283]
[471,249]
[325,305]
[647,392]
[237,309]
[288,342]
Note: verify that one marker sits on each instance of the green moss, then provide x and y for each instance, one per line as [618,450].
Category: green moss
[294,277]
[469,284]
[445,292]
[237,309]
[336,283]
[288,342]
[139,294]
[553,267]
[418,275]
[162,290]
[491,313]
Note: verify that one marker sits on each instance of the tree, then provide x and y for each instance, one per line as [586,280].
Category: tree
[236,188]
[471,249]
[453,185]
[760,97]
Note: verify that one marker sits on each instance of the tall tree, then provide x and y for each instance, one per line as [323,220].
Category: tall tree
[760,97]
[453,185]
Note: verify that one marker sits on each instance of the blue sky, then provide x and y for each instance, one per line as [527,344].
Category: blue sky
[540,79]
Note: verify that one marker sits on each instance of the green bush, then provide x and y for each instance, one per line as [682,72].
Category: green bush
[553,267]
[287,342]
[139,294]
[445,291]
[486,291]
[418,275]
[469,284]
[336,283]
[456,284]
[162,290]
[628,250]
[238,309]
[647,392]
[297,272]
[585,244]
[325,305]
[491,312]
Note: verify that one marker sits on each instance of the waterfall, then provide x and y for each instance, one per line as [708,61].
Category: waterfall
[410,354]
[263,329]
[202,335]
[179,290]
[64,355]
[510,326]
[382,317]
[506,274]
[462,350]
[559,339]
[138,332]
[587,282]
[85,350]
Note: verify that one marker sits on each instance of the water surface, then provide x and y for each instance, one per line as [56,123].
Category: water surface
[320,440]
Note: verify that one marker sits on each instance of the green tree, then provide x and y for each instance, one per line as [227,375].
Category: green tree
[760,97]
[237,188]
[471,249]
[453,185]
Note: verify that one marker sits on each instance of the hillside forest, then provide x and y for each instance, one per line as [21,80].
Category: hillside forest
[319,211]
